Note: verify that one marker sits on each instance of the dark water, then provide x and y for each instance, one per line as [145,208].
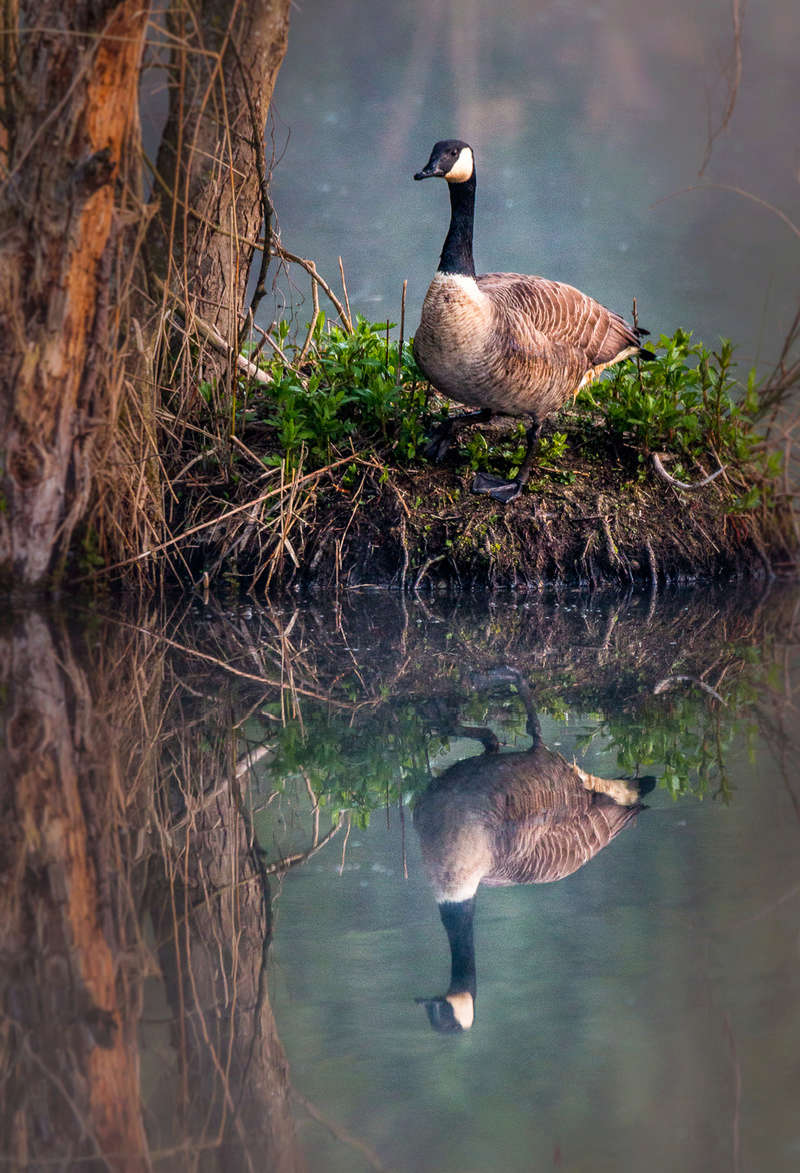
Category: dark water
[217,916]
[591,124]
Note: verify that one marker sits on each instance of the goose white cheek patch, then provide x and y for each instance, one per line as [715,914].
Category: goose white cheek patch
[463,167]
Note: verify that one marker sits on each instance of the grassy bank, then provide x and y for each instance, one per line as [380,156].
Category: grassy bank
[313,474]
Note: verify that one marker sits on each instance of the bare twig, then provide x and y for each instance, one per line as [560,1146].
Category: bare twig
[212,335]
[733,86]
[346,298]
[291,861]
[341,1134]
[665,476]
[670,681]
[740,191]
[399,373]
[311,269]
[424,570]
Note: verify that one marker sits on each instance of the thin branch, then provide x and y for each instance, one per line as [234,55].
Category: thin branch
[291,861]
[670,681]
[311,269]
[665,476]
[740,191]
[733,86]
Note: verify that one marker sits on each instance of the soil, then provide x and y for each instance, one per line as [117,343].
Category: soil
[422,529]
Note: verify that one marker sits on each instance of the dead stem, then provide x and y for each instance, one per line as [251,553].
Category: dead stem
[346,298]
[734,82]
[665,476]
[311,269]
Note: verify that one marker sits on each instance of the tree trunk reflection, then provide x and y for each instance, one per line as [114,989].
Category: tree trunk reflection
[105,819]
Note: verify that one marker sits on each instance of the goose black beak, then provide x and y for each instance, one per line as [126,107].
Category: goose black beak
[440,1015]
[431,171]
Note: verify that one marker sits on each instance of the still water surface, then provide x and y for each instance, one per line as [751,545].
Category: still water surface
[642,1013]
[177,996]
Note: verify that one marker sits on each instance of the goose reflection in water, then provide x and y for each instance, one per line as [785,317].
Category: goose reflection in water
[513,818]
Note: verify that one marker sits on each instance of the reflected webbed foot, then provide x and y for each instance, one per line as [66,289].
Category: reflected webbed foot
[496,487]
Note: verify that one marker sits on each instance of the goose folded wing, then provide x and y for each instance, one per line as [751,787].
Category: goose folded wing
[543,852]
[551,317]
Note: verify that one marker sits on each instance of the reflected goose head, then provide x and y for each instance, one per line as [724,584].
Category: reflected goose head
[450,1013]
[455,1010]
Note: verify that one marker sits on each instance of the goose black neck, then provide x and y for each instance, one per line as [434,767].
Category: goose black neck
[457,918]
[457,252]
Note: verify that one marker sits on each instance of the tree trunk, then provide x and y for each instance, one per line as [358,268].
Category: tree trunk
[69,93]
[70,983]
[124,835]
[211,170]
[70,224]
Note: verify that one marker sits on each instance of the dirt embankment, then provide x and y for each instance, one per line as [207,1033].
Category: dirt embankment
[421,529]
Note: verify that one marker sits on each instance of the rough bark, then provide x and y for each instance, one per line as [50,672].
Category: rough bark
[212,175]
[68,130]
[69,92]
[90,845]
[69,983]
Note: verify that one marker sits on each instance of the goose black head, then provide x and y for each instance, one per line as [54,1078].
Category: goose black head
[451,159]
[450,1013]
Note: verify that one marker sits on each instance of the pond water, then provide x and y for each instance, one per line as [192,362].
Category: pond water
[591,123]
[222,946]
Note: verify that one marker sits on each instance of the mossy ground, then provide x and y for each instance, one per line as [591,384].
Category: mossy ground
[588,520]
[315,476]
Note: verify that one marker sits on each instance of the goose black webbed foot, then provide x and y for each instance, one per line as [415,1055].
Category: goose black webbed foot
[496,487]
[438,443]
[440,438]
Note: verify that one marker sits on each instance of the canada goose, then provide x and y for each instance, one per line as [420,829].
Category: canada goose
[502,342]
[515,818]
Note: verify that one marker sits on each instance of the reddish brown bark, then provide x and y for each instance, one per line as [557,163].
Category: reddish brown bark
[68,123]
[69,113]
[123,841]
[69,1071]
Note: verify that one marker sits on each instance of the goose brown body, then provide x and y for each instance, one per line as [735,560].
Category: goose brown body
[516,345]
[506,343]
[519,818]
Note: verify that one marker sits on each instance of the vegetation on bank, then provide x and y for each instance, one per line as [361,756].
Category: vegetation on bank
[312,472]
[348,392]
[146,440]
[384,757]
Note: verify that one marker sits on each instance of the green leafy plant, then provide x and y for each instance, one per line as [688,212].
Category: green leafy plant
[353,390]
[348,384]
[385,756]
[685,401]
